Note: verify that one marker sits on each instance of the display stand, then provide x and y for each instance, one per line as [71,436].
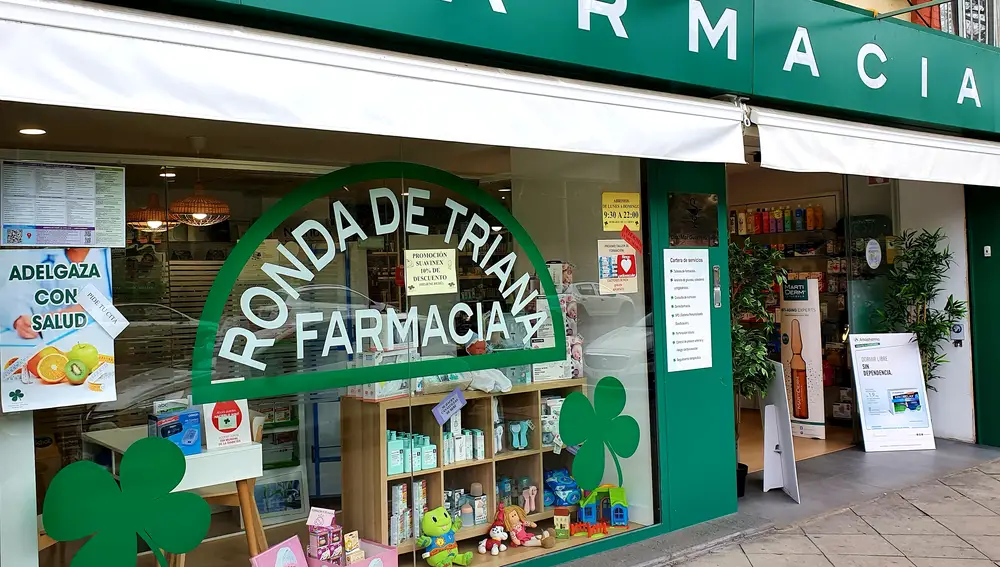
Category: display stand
[779,448]
[366,484]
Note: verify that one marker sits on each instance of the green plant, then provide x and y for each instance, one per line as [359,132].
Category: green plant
[920,267]
[597,427]
[753,272]
[84,500]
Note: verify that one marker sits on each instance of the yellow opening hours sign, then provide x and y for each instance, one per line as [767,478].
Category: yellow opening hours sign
[620,210]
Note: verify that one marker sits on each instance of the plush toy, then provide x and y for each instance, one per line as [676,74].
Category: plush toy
[494,544]
[517,524]
[438,529]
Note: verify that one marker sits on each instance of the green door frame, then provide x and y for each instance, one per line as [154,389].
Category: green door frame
[982,208]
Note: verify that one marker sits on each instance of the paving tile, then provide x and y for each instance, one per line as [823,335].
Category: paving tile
[989,545]
[936,499]
[974,478]
[903,525]
[971,525]
[854,545]
[841,523]
[728,557]
[791,560]
[888,505]
[992,467]
[943,562]
[934,546]
[780,544]
[868,561]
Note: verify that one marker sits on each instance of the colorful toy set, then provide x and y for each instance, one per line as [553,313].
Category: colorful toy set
[561,522]
[607,504]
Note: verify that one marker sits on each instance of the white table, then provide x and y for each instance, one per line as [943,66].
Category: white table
[206,470]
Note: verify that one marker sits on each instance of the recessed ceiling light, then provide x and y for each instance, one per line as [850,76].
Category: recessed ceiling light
[405,193]
[497,228]
[167,172]
[505,190]
[31,131]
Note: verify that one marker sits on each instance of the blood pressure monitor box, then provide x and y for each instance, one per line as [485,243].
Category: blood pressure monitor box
[182,427]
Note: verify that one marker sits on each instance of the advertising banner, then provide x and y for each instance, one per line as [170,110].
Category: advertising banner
[617,267]
[57,328]
[802,357]
[891,391]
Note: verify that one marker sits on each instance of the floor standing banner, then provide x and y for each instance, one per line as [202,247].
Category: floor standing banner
[802,357]
[892,395]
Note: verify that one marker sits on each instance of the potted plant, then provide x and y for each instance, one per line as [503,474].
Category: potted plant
[920,266]
[753,275]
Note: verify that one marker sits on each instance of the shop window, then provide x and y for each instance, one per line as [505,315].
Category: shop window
[488,271]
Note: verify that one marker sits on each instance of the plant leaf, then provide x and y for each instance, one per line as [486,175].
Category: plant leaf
[588,464]
[185,527]
[623,435]
[577,420]
[115,547]
[81,500]
[609,398]
[151,468]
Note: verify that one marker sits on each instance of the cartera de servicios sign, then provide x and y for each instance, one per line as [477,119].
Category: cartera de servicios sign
[266,313]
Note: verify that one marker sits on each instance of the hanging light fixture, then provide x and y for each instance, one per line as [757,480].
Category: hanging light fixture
[151,218]
[199,209]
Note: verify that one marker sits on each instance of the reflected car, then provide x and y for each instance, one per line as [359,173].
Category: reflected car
[590,301]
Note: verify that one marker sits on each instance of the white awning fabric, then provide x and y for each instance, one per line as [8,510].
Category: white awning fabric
[796,142]
[102,57]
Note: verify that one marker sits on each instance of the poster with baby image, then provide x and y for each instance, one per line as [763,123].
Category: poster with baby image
[57,328]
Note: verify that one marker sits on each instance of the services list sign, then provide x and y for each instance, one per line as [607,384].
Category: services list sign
[891,392]
[689,315]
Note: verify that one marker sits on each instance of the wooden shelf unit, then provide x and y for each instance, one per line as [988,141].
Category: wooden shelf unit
[366,484]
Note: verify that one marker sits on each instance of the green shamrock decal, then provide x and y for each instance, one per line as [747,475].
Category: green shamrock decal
[597,427]
[16,395]
[84,500]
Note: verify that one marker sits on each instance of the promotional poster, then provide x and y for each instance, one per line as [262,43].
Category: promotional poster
[55,353]
[802,357]
[892,394]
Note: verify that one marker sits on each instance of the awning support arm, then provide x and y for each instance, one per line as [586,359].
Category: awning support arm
[909,9]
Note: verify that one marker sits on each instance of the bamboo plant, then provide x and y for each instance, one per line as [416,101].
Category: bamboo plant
[753,273]
[918,271]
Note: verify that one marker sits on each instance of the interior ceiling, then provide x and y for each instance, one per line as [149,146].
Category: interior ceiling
[94,131]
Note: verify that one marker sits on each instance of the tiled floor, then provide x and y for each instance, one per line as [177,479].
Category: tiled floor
[949,522]
[834,482]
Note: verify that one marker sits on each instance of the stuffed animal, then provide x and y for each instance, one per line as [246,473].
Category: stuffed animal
[494,544]
[439,530]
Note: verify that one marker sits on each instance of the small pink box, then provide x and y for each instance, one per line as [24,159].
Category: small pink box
[286,554]
[386,557]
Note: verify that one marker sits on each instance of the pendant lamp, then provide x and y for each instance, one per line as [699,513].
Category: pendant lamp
[199,209]
[151,218]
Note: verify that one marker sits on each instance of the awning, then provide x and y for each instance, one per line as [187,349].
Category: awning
[102,57]
[796,142]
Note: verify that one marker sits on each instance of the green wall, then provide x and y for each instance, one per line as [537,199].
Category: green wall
[695,407]
[982,210]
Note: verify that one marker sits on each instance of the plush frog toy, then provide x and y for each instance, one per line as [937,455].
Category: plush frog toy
[438,529]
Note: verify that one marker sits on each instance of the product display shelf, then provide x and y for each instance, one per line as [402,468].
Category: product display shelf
[793,237]
[367,486]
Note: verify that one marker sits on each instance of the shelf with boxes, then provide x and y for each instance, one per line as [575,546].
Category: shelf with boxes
[496,448]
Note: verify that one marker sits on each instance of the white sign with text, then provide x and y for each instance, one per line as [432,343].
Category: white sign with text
[689,316]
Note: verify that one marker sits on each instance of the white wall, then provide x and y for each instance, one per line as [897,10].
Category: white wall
[931,206]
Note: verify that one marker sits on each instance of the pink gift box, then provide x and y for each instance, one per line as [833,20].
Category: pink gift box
[375,556]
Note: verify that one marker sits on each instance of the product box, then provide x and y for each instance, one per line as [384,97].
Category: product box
[375,555]
[356,556]
[562,275]
[548,371]
[286,554]
[183,428]
[481,512]
[325,536]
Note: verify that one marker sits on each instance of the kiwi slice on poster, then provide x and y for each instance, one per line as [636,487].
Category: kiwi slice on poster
[76,371]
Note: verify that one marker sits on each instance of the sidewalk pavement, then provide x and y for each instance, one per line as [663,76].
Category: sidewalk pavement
[950,522]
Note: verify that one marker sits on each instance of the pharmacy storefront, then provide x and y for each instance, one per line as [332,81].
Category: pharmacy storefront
[297,301]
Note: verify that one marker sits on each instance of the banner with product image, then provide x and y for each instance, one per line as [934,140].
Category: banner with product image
[54,352]
[802,357]
[892,395]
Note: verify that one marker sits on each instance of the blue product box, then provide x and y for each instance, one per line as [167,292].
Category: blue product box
[183,428]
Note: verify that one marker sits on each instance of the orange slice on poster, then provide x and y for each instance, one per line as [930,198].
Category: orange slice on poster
[50,368]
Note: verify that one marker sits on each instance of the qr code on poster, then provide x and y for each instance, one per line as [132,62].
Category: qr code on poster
[88,237]
[15,236]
